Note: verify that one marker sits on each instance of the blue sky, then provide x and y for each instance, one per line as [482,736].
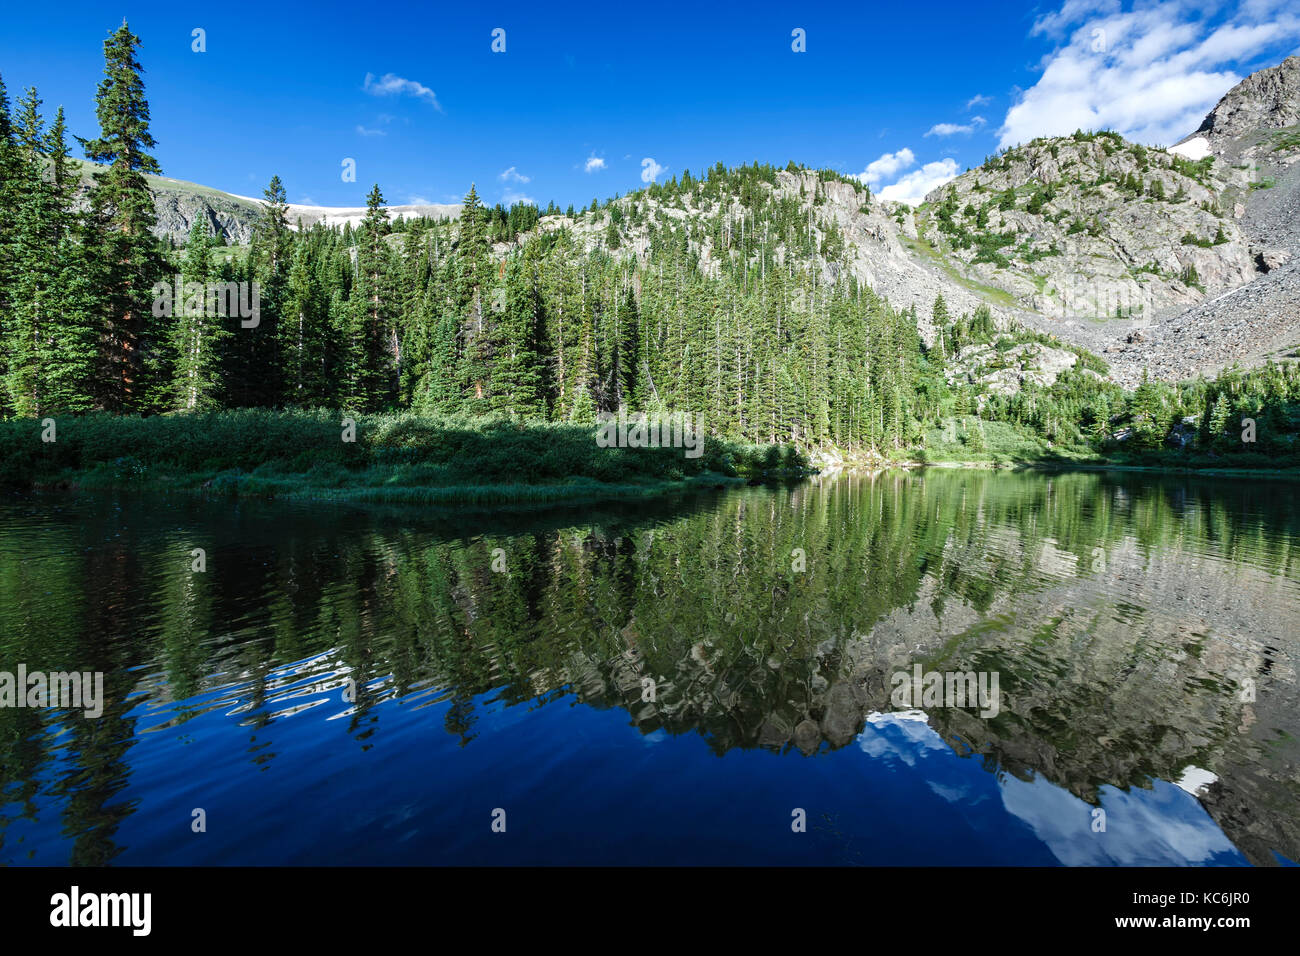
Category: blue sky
[585,94]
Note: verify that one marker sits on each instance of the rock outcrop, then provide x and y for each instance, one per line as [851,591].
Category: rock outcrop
[1254,131]
[1267,99]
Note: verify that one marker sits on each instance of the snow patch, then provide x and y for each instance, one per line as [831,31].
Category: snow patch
[338,215]
[1193,149]
[1195,780]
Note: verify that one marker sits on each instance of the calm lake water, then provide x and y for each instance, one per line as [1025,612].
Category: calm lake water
[664,682]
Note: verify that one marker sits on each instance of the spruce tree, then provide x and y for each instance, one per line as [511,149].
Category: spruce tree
[1220,414]
[199,327]
[939,314]
[265,344]
[30,282]
[1100,431]
[374,348]
[517,379]
[474,260]
[1147,409]
[127,256]
[10,190]
[628,353]
[49,326]
[73,347]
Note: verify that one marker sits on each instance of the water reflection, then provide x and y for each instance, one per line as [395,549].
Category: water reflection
[362,658]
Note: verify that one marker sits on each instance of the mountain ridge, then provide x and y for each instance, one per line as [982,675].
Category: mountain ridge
[1164,261]
[179,203]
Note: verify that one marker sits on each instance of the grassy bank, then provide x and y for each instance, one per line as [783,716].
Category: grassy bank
[975,443]
[480,462]
[401,458]
[1219,469]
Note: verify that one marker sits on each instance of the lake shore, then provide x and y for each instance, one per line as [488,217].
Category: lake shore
[1222,468]
[385,486]
[399,459]
[1209,471]
[454,462]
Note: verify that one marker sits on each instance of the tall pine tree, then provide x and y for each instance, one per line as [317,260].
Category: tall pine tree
[127,256]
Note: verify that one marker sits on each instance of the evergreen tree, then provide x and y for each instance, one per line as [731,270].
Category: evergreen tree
[628,353]
[375,351]
[767,339]
[199,327]
[127,258]
[940,319]
[302,320]
[517,378]
[73,347]
[1100,431]
[10,191]
[1147,411]
[49,337]
[1220,415]
[475,322]
[29,282]
[262,346]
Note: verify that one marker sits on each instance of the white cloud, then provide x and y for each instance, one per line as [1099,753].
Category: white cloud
[510,197]
[979,99]
[418,201]
[512,175]
[886,166]
[392,85]
[650,170]
[913,187]
[1151,73]
[949,129]
[1072,11]
[362,131]
[593,163]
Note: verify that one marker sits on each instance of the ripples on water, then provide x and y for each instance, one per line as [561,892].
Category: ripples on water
[360,686]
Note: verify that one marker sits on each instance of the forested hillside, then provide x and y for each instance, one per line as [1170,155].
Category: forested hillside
[425,316]
[727,296]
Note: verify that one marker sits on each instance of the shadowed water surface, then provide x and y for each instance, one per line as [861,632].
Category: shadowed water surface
[1143,631]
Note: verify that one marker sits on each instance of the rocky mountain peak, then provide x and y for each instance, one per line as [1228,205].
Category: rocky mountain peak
[1267,99]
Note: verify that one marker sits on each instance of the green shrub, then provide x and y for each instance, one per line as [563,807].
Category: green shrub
[309,444]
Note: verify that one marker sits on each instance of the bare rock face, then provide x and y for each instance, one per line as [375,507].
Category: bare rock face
[1267,99]
[178,205]
[844,711]
[1193,272]
[1254,134]
[230,219]
[807,736]
[1005,371]
[1150,256]
[1091,228]
[1272,259]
